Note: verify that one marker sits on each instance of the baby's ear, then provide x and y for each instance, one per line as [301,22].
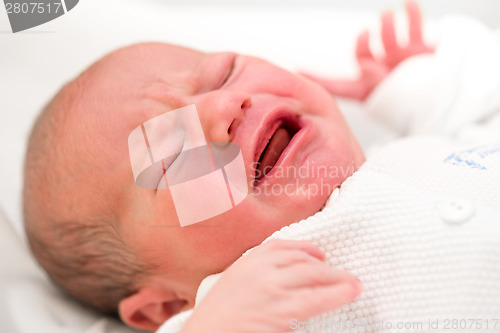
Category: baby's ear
[149,308]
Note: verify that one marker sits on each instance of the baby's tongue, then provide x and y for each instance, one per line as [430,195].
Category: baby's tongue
[272,152]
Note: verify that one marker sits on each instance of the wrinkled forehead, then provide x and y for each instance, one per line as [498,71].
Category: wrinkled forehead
[138,64]
[128,86]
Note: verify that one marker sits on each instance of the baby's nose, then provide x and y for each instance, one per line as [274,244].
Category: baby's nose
[221,112]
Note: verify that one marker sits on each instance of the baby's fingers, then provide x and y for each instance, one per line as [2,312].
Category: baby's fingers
[331,297]
[310,302]
[414,21]
[278,245]
[363,51]
[388,32]
[313,274]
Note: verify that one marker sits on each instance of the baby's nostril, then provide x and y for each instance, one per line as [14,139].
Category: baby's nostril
[246,104]
[230,128]
[233,127]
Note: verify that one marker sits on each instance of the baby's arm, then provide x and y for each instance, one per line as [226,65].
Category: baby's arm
[276,283]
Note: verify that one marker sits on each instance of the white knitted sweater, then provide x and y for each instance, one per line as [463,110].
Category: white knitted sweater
[419,223]
[425,242]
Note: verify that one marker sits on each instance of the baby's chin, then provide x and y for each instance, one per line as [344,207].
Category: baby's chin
[306,199]
[325,173]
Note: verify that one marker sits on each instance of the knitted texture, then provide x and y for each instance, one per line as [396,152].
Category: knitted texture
[389,227]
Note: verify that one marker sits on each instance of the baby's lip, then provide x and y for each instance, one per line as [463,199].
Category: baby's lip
[269,125]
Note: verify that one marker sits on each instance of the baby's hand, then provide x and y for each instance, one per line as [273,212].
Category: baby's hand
[276,285]
[374,70]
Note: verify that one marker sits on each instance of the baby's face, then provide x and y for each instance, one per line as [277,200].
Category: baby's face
[239,99]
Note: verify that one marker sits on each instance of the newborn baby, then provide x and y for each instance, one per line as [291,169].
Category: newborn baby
[119,248]
[115,245]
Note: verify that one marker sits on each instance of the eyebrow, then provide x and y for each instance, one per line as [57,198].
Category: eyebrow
[229,71]
[212,72]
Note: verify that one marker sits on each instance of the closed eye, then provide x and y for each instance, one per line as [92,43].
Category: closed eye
[230,68]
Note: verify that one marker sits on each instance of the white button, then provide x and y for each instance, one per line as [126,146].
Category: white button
[457,210]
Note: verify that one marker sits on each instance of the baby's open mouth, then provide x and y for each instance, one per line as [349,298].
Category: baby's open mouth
[272,152]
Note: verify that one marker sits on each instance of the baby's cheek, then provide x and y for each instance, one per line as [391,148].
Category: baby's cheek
[223,239]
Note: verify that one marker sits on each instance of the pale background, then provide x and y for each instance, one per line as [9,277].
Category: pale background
[313,35]
[486,10]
